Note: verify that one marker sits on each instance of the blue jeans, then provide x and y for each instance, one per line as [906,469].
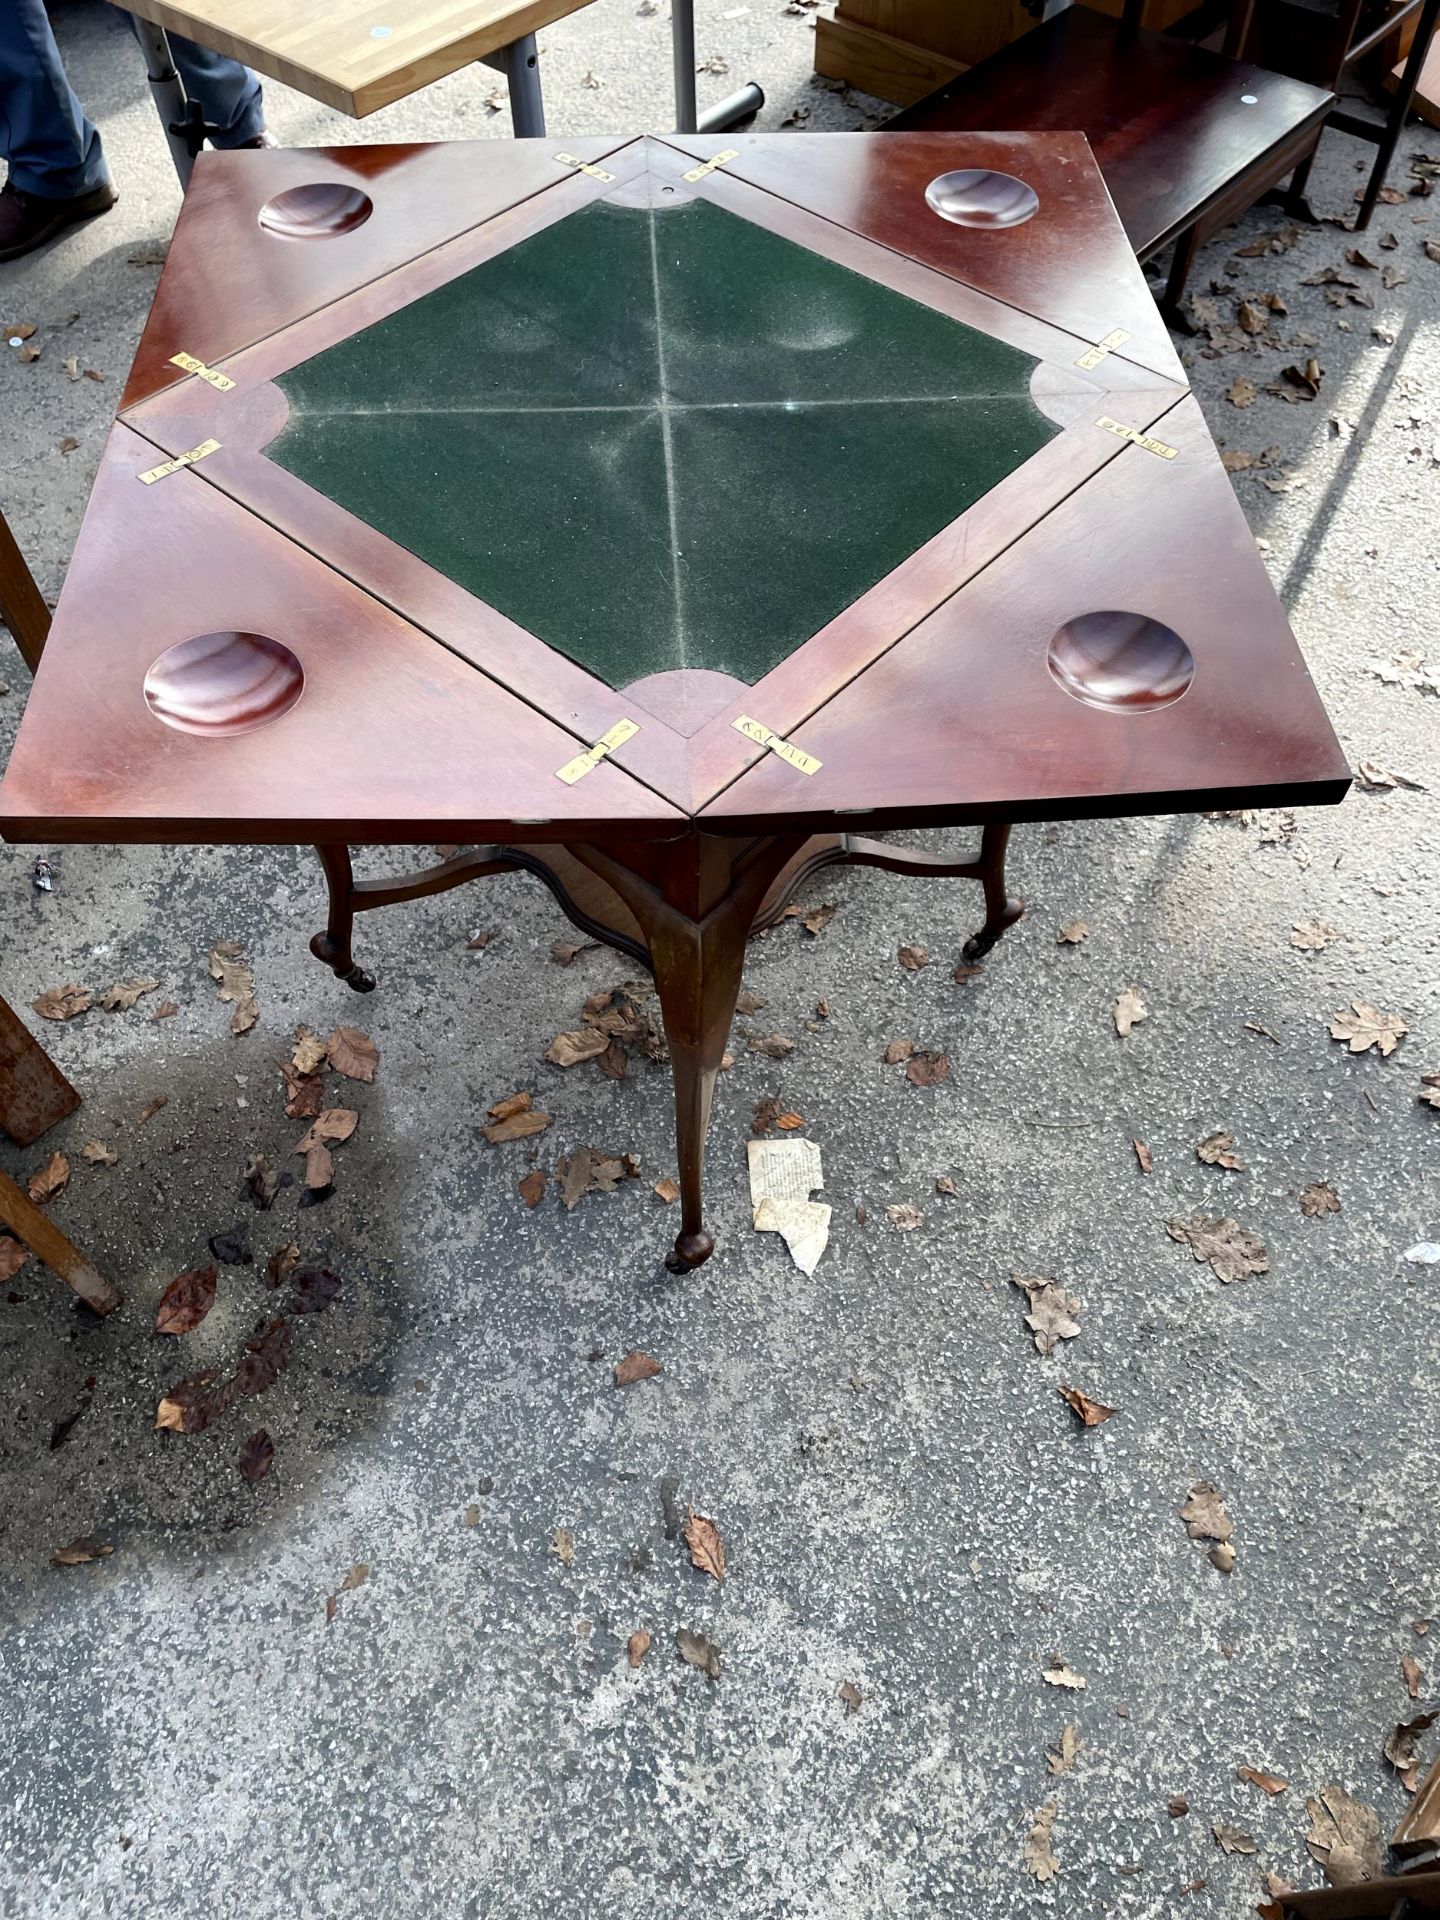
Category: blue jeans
[53,147]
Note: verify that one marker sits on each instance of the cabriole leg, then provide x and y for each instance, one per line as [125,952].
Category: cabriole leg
[1000,910]
[333,945]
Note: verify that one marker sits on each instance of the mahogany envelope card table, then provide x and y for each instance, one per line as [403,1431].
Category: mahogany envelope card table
[665,517]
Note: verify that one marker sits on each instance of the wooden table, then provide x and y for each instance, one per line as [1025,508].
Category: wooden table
[359,55]
[673,516]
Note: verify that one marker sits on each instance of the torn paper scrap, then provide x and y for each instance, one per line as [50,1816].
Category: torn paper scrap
[783,1174]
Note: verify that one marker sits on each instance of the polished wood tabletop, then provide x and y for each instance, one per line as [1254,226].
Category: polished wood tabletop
[669,512]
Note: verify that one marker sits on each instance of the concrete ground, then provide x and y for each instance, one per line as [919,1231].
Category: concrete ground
[910,1509]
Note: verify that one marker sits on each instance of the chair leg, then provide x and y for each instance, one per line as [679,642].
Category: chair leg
[45,1240]
[1394,124]
[333,946]
[22,605]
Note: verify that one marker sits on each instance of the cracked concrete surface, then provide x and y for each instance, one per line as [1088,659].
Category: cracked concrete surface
[907,1503]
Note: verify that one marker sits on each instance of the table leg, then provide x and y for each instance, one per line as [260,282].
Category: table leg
[44,1239]
[741,105]
[168,88]
[1000,910]
[696,900]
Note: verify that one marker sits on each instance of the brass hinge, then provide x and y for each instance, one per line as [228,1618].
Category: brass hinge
[190,364]
[584,166]
[1139,439]
[709,166]
[584,763]
[181,460]
[1102,349]
[763,737]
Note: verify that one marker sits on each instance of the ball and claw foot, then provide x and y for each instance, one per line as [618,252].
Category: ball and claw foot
[341,965]
[691,1250]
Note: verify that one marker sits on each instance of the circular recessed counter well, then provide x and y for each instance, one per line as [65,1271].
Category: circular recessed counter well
[977,197]
[1121,662]
[319,211]
[223,683]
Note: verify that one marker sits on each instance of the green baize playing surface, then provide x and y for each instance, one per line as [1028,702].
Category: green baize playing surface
[662,438]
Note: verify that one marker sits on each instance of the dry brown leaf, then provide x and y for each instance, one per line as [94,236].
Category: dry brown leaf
[1073,933]
[774,1046]
[257,1456]
[356,1577]
[1039,1859]
[819,918]
[1318,1198]
[50,1180]
[98,1154]
[1052,1311]
[636,1366]
[13,1255]
[1143,1156]
[1129,1011]
[329,1128]
[591,1171]
[1222,1557]
[562,1545]
[1410,1672]
[904,1216]
[914,958]
[186,1301]
[319,1169]
[1237,460]
[353,1053]
[944,1184]
[62,1003]
[261,1180]
[234,984]
[696,1651]
[1218,1150]
[522,1125]
[532,1188]
[1305,379]
[1061,1757]
[81,1552]
[1204,1513]
[1270,1783]
[927,1069]
[1232,1839]
[565,954]
[281,1264]
[573,1049]
[1232,1251]
[637,1646]
[1363,1025]
[667,1190]
[1177,1806]
[310,1054]
[1060,1674]
[1242,392]
[851,1695]
[1402,1748]
[897,1051]
[151,1108]
[166,1010]
[1091,1413]
[1344,1837]
[707,1549]
[195,1403]
[122,996]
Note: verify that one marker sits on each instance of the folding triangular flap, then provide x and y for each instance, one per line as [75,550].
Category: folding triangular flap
[1127,655]
[258,246]
[240,689]
[1069,264]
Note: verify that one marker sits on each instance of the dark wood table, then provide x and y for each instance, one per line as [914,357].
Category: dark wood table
[675,516]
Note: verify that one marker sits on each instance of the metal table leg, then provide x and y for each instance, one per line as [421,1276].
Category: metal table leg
[743,104]
[520,64]
[171,102]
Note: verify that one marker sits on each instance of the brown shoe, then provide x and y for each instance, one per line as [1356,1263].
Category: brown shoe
[28,220]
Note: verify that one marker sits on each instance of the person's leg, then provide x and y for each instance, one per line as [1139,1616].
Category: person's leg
[229,95]
[52,147]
